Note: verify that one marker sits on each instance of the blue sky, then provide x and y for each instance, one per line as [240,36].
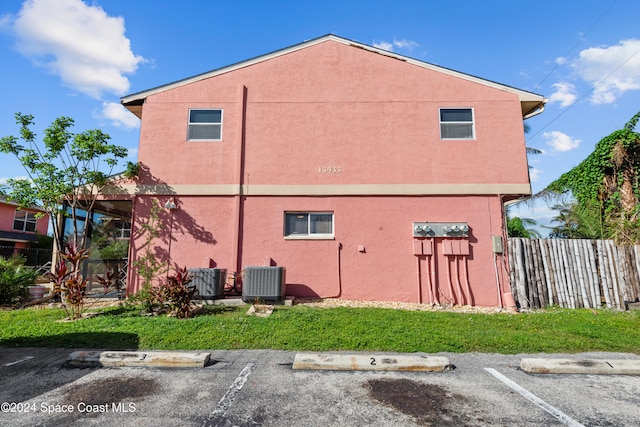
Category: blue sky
[77,58]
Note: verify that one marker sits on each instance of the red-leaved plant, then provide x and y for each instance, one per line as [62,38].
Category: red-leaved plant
[109,281]
[69,282]
[177,294]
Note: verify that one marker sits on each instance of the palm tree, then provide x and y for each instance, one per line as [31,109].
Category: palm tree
[517,226]
[577,221]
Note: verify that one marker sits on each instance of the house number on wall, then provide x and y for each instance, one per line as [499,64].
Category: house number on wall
[329,169]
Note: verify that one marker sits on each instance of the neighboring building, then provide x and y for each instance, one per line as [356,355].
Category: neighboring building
[366,174]
[19,227]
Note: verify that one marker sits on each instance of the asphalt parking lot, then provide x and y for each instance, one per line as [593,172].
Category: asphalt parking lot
[260,388]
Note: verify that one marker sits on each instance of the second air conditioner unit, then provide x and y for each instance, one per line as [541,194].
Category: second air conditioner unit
[263,284]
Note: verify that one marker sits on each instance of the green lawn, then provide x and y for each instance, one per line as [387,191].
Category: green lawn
[303,328]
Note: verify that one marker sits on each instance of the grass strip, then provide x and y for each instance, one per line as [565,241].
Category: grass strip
[301,328]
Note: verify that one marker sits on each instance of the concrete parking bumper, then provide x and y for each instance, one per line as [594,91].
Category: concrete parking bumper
[156,359]
[581,366]
[373,362]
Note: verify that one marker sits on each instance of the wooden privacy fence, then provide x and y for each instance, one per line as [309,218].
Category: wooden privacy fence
[573,273]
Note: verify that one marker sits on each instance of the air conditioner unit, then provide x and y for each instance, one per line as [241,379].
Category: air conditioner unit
[264,284]
[209,282]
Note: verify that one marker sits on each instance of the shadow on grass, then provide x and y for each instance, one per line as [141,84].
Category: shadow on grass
[219,309]
[93,340]
[139,311]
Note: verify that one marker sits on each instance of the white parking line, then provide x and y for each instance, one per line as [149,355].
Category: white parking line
[229,397]
[535,399]
[18,361]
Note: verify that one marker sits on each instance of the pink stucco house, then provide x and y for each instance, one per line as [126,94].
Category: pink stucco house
[19,227]
[365,174]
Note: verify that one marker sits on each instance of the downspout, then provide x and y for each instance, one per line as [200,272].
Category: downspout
[239,194]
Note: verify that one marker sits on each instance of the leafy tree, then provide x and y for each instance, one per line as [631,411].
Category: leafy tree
[518,227]
[67,172]
[609,179]
[65,168]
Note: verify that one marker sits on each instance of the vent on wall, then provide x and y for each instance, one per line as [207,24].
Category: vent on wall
[209,282]
[263,283]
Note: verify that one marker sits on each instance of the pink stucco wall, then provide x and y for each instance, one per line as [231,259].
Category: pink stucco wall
[7,214]
[374,117]
[387,268]
[331,104]
[201,234]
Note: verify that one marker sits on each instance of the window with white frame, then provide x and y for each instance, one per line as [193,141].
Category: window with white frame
[317,225]
[456,123]
[205,125]
[24,221]
[121,229]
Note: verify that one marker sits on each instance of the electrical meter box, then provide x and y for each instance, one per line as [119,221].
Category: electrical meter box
[496,242]
[440,229]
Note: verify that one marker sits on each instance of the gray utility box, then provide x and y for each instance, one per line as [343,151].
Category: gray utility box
[264,284]
[209,282]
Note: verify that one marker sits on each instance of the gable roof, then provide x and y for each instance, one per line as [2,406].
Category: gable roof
[531,103]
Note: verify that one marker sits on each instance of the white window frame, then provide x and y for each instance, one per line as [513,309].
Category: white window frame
[309,235]
[216,124]
[472,122]
[122,229]
[26,218]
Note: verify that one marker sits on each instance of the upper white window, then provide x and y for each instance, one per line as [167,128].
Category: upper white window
[456,123]
[205,125]
[314,225]
[24,221]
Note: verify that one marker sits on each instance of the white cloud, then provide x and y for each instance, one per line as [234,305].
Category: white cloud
[561,141]
[384,45]
[118,116]
[132,153]
[5,22]
[403,44]
[560,60]
[80,43]
[621,61]
[534,174]
[4,180]
[565,94]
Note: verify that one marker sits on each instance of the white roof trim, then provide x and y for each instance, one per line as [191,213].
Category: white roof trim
[522,94]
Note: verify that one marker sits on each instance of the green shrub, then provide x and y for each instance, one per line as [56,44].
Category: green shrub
[177,294]
[15,278]
[174,296]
